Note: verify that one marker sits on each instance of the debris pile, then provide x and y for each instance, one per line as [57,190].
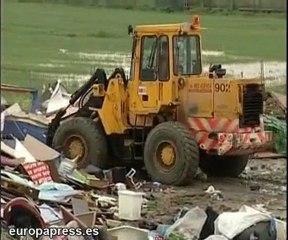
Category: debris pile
[41,189]
[279,129]
[275,105]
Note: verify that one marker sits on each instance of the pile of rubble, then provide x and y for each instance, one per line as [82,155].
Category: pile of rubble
[275,105]
[41,189]
[275,120]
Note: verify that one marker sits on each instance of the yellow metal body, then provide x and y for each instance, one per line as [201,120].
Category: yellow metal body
[177,98]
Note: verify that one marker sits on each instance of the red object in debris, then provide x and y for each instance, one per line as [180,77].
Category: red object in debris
[39,172]
[21,211]
[7,161]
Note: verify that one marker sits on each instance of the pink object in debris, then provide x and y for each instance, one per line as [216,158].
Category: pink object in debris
[7,161]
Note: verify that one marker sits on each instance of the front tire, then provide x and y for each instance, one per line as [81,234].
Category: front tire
[171,154]
[84,137]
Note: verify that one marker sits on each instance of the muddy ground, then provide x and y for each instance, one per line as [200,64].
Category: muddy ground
[263,182]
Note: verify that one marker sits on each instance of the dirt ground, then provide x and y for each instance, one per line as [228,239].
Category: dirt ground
[263,182]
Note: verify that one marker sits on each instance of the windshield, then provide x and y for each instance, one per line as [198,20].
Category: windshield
[187,57]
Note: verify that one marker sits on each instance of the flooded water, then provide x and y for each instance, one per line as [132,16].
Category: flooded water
[274,72]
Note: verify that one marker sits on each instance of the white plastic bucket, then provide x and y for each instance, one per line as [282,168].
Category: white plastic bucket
[130,204]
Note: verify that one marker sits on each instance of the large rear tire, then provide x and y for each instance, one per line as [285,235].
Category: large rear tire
[223,166]
[83,137]
[171,155]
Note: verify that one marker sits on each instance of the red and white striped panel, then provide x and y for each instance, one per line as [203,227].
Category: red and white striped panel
[225,142]
[219,125]
[205,142]
[259,137]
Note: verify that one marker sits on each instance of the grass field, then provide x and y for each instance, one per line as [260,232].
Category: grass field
[34,33]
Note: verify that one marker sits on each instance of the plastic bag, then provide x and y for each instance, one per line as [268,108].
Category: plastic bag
[230,224]
[189,226]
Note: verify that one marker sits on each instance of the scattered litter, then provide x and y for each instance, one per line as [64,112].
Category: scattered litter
[214,194]
[231,224]
[255,187]
[130,176]
[56,191]
[189,226]
[40,185]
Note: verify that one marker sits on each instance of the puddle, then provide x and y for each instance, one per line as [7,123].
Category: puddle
[274,72]
[50,65]
[63,77]
[213,53]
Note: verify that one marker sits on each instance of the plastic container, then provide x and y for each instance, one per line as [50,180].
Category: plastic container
[128,232]
[130,204]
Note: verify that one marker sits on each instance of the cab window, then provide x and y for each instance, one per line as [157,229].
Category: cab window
[187,57]
[163,58]
[148,63]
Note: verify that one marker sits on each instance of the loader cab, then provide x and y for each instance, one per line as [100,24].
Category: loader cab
[162,57]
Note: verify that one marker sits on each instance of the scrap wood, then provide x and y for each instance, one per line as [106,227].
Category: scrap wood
[32,119]
[19,188]
[87,181]
[281,99]
[7,150]
[7,196]
[57,203]
[39,150]
[269,155]
[79,205]
[275,104]
[84,220]
[108,215]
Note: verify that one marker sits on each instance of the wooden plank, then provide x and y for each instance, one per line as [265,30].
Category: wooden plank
[281,99]
[18,188]
[263,155]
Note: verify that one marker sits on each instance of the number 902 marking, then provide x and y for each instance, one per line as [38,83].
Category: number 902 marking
[222,87]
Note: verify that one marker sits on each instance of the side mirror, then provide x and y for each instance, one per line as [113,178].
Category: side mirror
[130,30]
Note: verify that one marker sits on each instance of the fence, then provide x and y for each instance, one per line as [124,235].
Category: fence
[242,5]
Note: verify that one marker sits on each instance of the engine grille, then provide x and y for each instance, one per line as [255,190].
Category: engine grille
[252,104]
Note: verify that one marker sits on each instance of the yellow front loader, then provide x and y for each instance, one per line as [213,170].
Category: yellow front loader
[169,115]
